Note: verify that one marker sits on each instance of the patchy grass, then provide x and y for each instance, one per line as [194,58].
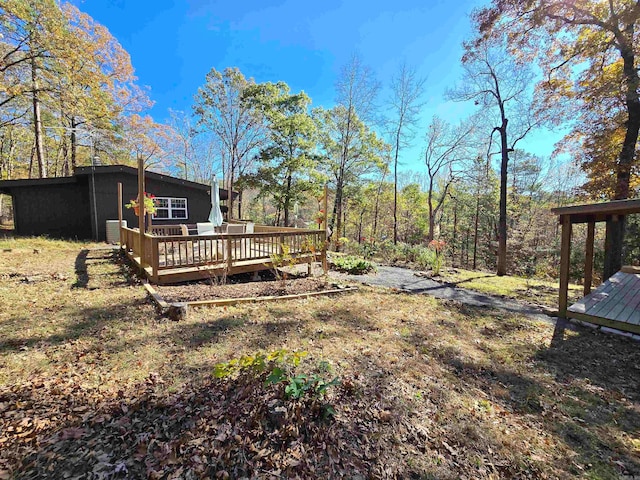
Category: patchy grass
[542,292]
[94,383]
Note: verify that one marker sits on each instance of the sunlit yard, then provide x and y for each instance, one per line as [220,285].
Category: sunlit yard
[93,380]
[541,292]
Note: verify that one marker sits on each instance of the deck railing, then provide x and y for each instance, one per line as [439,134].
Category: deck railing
[222,250]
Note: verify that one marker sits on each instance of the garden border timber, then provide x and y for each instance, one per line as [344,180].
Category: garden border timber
[164,305]
[609,212]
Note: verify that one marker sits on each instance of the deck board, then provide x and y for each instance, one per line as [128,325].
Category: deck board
[605,306]
[616,300]
[595,297]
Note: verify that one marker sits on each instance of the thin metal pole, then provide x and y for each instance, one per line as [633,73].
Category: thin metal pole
[93,188]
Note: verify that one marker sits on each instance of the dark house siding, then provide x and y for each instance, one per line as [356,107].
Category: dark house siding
[64,207]
[55,210]
[106,188]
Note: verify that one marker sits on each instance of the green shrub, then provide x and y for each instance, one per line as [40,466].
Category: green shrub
[279,368]
[426,259]
[353,265]
[366,248]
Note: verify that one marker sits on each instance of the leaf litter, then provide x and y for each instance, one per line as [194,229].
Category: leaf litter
[428,389]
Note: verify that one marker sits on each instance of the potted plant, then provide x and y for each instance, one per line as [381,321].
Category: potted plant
[148,204]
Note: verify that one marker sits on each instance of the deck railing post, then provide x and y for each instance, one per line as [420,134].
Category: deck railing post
[588,258]
[325,265]
[155,258]
[565,260]
[229,257]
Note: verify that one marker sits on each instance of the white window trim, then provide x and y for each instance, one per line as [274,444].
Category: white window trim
[170,208]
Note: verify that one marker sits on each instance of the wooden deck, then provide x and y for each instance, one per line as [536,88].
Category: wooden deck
[174,258]
[615,303]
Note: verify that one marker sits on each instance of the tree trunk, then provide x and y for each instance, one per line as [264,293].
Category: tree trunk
[344,222]
[432,220]
[475,231]
[395,190]
[37,122]
[65,161]
[33,153]
[377,209]
[74,146]
[466,249]
[614,237]
[336,218]
[502,222]
[615,230]
[360,226]
[455,234]
[230,192]
[287,201]
[337,206]
[627,154]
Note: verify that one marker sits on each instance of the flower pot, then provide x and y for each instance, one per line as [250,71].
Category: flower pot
[136,210]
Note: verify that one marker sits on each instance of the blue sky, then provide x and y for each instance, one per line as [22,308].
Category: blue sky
[173,44]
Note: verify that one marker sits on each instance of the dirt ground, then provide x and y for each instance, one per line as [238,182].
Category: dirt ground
[265,284]
[94,383]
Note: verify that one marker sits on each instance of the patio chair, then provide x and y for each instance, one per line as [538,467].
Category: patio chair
[205,228]
[236,228]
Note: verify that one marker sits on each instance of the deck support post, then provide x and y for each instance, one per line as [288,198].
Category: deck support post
[120,212]
[325,265]
[565,261]
[588,258]
[141,215]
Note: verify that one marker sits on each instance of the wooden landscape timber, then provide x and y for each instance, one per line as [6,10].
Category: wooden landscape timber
[165,306]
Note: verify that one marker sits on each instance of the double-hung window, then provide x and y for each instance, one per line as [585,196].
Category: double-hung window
[168,208]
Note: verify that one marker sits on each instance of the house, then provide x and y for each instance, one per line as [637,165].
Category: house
[79,206]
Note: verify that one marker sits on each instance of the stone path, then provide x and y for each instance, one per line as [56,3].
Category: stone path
[406,280]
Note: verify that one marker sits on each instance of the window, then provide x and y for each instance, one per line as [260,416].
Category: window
[171,208]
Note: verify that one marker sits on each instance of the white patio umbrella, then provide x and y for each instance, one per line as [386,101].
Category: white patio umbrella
[215,216]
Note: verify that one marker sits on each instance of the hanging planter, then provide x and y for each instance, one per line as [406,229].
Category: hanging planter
[149,204]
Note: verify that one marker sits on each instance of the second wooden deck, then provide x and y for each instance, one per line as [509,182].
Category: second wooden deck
[615,303]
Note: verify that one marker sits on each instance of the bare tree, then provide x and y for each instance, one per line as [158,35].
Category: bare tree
[356,91]
[447,150]
[405,104]
[498,84]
